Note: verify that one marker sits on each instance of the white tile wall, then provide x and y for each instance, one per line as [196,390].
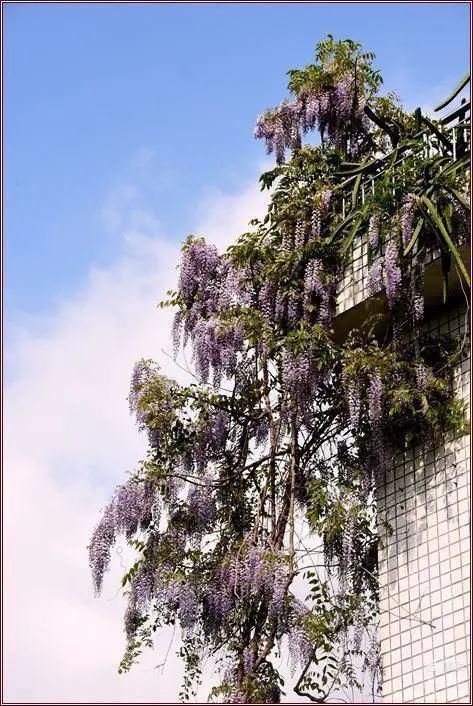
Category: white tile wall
[352,287]
[424,564]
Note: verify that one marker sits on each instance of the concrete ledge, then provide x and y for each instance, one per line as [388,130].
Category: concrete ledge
[355,316]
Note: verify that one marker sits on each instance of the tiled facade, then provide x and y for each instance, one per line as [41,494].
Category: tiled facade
[424,561]
[352,288]
[424,497]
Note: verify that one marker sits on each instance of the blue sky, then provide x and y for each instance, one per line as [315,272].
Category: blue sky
[165,97]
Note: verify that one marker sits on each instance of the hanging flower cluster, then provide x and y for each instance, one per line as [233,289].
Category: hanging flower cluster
[206,286]
[330,107]
[385,274]
[131,507]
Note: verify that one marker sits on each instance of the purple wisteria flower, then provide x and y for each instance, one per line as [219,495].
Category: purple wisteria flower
[188,605]
[232,287]
[293,307]
[200,265]
[280,128]
[373,231]
[315,223]
[309,104]
[354,403]
[418,307]
[279,590]
[221,598]
[261,434]
[299,238]
[217,430]
[132,619]
[312,281]
[407,218]
[207,285]
[248,660]
[375,278]
[299,374]
[267,299]
[143,583]
[253,573]
[131,505]
[216,348]
[325,200]
[144,372]
[316,292]
[330,108]
[375,398]
[300,645]
[423,374]
[103,538]
[287,244]
[203,280]
[392,273]
[201,503]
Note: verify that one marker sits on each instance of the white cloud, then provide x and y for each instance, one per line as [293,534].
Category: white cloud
[69,440]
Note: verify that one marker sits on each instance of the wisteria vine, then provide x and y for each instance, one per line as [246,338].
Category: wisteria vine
[286,427]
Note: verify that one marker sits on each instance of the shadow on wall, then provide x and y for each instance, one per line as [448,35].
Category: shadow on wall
[424,562]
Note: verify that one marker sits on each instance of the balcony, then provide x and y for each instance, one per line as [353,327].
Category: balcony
[354,302]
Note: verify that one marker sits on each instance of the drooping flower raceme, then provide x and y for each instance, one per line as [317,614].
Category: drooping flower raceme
[373,231]
[375,277]
[330,107]
[100,547]
[207,284]
[418,307]
[300,645]
[407,218]
[392,273]
[375,398]
[316,294]
[280,128]
[354,403]
[131,505]
[202,504]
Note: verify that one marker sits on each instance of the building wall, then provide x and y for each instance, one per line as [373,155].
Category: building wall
[424,497]
[423,515]
[423,500]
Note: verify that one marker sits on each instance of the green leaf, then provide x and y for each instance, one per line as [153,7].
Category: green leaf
[354,230]
[417,118]
[415,235]
[455,166]
[342,225]
[355,190]
[454,93]
[446,265]
[443,139]
[359,170]
[438,221]
[458,195]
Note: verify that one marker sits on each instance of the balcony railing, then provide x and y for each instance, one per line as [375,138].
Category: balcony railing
[352,289]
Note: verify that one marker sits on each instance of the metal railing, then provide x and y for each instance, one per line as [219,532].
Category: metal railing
[352,286]
[458,126]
